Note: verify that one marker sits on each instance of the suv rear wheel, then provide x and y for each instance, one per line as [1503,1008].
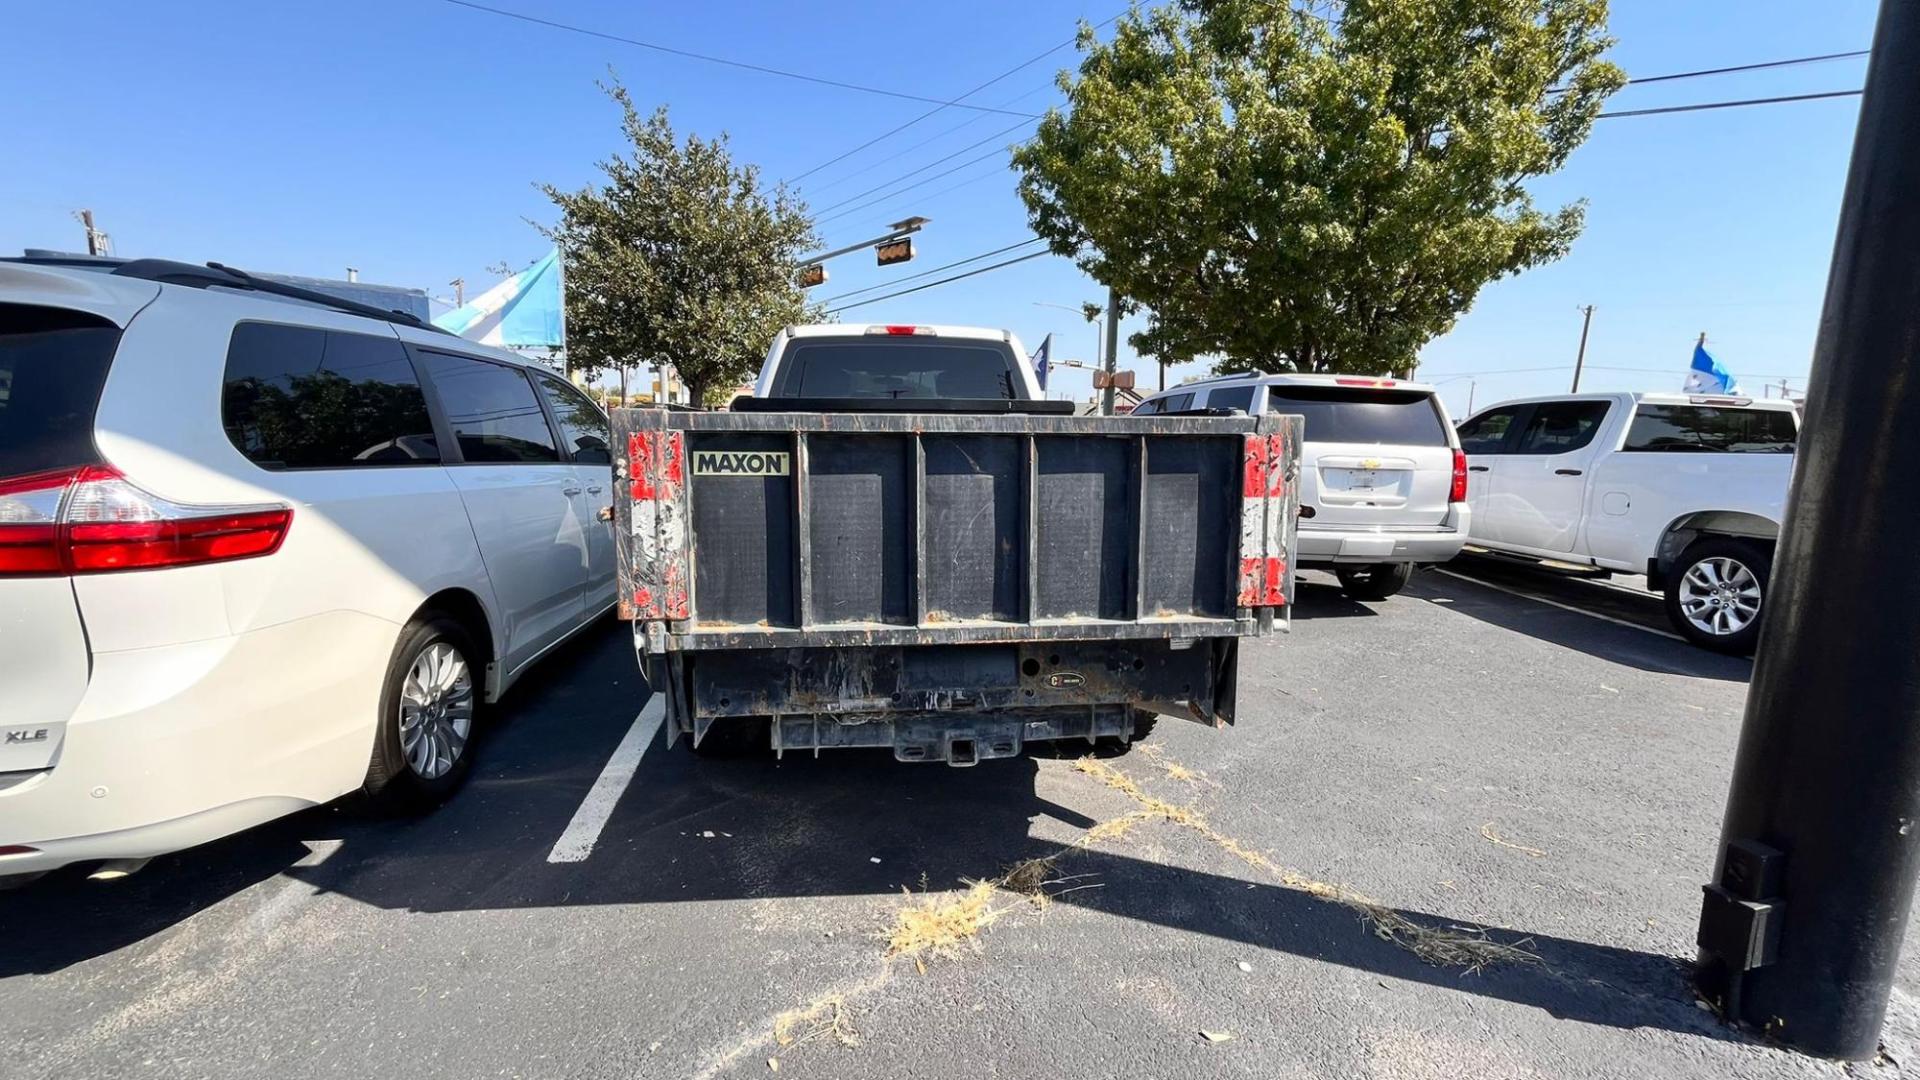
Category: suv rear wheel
[1374,581]
[427,710]
[1716,592]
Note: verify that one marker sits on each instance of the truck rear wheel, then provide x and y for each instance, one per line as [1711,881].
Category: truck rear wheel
[1374,581]
[1716,593]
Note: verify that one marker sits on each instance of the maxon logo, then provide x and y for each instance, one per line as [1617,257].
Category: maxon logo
[739,463]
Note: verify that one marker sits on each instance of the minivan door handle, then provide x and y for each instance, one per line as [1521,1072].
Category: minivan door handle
[1566,472]
[593,489]
[570,491]
[1476,468]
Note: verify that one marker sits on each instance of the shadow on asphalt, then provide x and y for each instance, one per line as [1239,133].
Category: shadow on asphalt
[794,828]
[1595,637]
[1325,600]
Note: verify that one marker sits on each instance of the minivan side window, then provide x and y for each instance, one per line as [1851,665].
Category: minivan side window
[1561,427]
[1695,429]
[1487,433]
[1148,408]
[297,397]
[581,421]
[1233,397]
[1176,403]
[491,408]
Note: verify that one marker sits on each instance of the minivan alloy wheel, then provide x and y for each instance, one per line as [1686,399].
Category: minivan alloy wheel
[436,710]
[1720,595]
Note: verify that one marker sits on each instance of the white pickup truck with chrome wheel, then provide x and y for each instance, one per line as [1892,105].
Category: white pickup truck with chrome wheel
[1688,490]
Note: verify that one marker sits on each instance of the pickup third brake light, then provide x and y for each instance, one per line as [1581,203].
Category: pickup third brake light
[89,520]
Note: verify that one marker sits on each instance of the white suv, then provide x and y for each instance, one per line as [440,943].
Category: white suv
[260,548]
[1383,485]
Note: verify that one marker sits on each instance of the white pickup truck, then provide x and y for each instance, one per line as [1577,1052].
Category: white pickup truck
[1687,490]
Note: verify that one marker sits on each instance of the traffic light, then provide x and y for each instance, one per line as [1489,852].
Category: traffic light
[812,274]
[894,251]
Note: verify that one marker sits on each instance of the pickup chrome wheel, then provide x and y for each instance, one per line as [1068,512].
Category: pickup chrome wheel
[436,710]
[1717,591]
[1720,595]
[423,741]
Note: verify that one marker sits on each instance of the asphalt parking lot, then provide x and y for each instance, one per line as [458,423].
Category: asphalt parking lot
[1479,760]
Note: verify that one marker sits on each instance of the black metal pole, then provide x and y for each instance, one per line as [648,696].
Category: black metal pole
[1815,874]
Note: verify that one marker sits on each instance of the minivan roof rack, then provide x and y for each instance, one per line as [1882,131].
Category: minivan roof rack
[173,272]
[213,274]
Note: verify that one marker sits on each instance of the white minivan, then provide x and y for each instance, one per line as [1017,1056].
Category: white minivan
[260,548]
[1383,485]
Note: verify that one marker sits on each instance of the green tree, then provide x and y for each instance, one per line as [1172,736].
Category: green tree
[1316,188]
[678,257]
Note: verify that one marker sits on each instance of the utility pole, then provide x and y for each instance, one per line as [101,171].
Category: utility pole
[98,243]
[1580,359]
[353,273]
[1800,931]
[459,291]
[1110,361]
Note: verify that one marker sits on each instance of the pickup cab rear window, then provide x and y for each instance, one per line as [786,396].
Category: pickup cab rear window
[1339,414]
[897,366]
[53,363]
[1698,429]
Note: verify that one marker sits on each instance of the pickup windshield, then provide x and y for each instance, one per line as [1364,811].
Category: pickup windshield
[1339,414]
[896,366]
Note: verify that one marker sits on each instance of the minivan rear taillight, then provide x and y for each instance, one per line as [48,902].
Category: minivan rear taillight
[90,520]
[1458,492]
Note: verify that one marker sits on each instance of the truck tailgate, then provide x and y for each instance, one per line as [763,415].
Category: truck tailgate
[778,530]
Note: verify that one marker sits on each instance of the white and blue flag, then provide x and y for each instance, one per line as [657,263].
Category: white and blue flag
[1043,361]
[526,311]
[1709,376]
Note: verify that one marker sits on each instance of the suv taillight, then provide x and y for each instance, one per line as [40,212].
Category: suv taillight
[90,520]
[1458,492]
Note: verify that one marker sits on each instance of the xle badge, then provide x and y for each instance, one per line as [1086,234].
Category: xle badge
[739,463]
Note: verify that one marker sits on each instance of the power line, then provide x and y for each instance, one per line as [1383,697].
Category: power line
[929,140]
[1748,67]
[934,270]
[1728,104]
[743,65]
[917,183]
[932,284]
[1022,66]
[936,161]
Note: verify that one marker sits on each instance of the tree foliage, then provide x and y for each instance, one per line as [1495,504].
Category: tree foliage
[678,257]
[1326,188]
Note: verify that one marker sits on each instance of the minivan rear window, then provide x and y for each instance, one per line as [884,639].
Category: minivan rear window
[896,366]
[1342,414]
[53,363]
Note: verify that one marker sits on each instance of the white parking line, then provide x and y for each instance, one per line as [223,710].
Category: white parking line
[583,831]
[1558,604]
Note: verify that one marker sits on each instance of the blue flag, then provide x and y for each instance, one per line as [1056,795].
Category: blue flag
[1709,376]
[1043,361]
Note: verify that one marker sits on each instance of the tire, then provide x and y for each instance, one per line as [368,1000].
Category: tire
[429,711]
[1374,581]
[735,738]
[1721,581]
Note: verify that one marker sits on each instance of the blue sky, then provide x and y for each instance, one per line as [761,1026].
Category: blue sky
[404,138]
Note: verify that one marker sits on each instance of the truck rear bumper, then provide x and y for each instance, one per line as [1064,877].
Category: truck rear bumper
[1368,546]
[955,738]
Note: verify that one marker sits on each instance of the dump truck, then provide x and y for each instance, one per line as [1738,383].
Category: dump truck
[897,543]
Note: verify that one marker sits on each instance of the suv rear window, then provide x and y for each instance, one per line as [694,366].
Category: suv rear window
[301,398]
[896,366]
[53,363]
[1697,429]
[1342,414]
